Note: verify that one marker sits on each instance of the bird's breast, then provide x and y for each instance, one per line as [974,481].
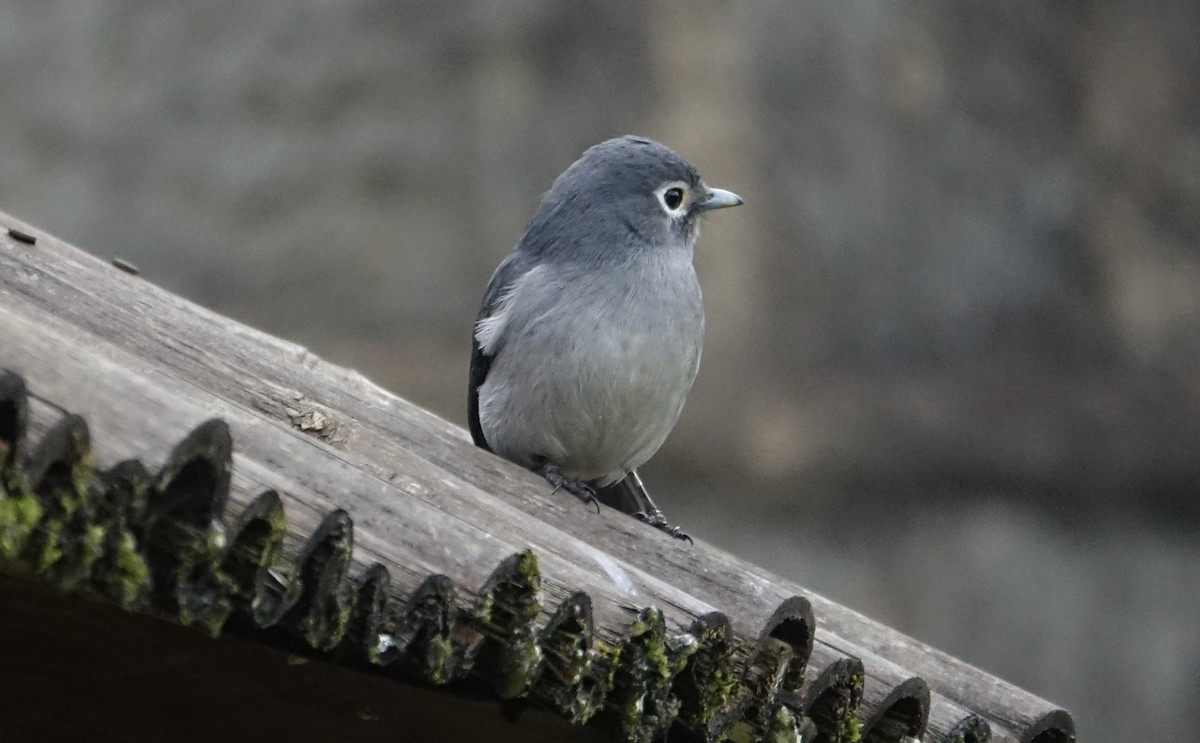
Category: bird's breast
[626,371]
[601,370]
[647,331]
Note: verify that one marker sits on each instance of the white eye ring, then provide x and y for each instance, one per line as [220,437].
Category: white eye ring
[673,197]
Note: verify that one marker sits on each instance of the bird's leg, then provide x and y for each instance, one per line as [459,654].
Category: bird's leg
[654,517]
[580,490]
[650,513]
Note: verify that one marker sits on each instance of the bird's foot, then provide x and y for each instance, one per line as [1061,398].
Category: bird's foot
[656,519]
[580,490]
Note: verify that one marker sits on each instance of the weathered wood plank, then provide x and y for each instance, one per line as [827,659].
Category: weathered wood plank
[396,529]
[395,461]
[414,537]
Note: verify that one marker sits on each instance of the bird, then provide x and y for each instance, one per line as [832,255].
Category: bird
[590,331]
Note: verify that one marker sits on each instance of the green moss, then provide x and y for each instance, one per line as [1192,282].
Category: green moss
[716,693]
[326,622]
[47,552]
[439,655]
[741,733]
[641,625]
[632,716]
[81,473]
[199,588]
[575,667]
[269,543]
[708,651]
[249,562]
[644,704]
[345,609]
[65,525]
[611,656]
[331,628]
[278,526]
[850,729]
[680,650]
[131,582]
[91,547]
[603,660]
[278,523]
[203,600]
[522,659]
[783,727]
[656,655]
[19,515]
[528,568]
[215,540]
[607,651]
[482,611]
[646,634]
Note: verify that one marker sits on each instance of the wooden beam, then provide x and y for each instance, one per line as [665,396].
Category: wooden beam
[396,525]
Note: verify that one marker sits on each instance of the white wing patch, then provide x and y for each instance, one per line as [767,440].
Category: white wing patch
[489,330]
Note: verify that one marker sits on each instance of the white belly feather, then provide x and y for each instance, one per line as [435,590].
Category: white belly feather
[608,374]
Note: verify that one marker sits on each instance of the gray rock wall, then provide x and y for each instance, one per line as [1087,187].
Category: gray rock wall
[953,370]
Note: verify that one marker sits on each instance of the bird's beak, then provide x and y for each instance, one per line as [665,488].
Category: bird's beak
[718,198]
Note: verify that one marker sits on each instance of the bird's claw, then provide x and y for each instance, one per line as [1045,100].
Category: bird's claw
[580,490]
[585,493]
[656,519]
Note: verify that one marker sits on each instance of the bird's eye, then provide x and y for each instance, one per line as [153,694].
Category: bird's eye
[673,197]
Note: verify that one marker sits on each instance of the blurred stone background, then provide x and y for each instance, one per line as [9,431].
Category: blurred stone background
[953,368]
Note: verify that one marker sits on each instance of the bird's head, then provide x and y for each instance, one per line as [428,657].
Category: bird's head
[623,196]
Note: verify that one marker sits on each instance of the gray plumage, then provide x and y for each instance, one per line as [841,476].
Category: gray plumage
[591,329]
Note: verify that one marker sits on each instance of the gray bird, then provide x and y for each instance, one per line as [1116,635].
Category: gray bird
[591,329]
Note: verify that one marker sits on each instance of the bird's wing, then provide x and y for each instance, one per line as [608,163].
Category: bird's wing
[484,337]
